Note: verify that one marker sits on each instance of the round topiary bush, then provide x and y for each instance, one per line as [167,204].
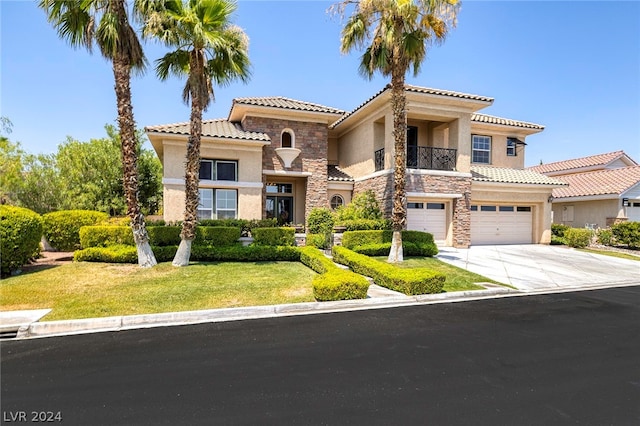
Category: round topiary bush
[62,229]
[20,234]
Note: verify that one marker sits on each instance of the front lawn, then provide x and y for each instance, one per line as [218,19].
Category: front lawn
[91,290]
[457,279]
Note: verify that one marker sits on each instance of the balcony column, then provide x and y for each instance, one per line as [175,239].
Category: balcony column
[460,139]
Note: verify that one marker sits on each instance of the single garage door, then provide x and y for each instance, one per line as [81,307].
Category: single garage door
[428,217]
[493,224]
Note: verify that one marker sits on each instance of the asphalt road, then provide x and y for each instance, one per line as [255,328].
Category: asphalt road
[560,359]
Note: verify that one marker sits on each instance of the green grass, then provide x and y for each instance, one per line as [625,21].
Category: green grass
[91,290]
[618,254]
[457,279]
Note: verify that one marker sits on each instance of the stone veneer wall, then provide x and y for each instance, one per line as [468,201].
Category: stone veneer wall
[382,186]
[312,141]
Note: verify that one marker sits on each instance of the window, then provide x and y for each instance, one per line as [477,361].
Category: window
[481,146]
[506,208]
[218,204]
[415,205]
[279,188]
[524,209]
[336,201]
[511,147]
[435,206]
[488,208]
[286,139]
[218,170]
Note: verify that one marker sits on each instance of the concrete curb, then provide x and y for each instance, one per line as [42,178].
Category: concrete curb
[131,322]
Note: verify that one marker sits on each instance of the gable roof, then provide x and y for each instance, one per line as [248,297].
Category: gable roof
[506,175]
[600,182]
[599,161]
[212,128]
[490,119]
[286,103]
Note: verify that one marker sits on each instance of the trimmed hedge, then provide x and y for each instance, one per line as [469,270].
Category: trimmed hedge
[333,283]
[161,236]
[378,243]
[105,236]
[164,235]
[113,254]
[578,237]
[20,235]
[408,281]
[62,228]
[627,233]
[216,236]
[365,224]
[274,236]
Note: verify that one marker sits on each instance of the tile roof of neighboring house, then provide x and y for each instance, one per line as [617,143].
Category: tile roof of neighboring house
[286,103]
[214,128]
[579,163]
[483,118]
[505,175]
[599,182]
[418,89]
[336,174]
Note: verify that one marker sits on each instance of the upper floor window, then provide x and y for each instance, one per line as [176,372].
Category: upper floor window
[481,149]
[218,170]
[511,147]
[287,139]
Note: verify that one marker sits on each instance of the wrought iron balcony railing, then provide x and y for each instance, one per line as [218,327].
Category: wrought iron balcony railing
[430,158]
[379,159]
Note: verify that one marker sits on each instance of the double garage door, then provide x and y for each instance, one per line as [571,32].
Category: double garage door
[493,224]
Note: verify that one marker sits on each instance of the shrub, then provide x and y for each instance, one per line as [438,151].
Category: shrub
[408,281]
[605,237]
[62,228]
[217,235]
[365,224]
[274,236]
[20,235]
[105,236]
[112,254]
[320,221]
[362,206]
[627,233]
[316,260]
[374,243]
[351,239]
[559,229]
[578,237]
[316,240]
[339,284]
[164,235]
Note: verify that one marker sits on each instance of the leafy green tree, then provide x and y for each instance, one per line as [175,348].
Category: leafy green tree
[11,167]
[106,24]
[208,49]
[395,35]
[41,189]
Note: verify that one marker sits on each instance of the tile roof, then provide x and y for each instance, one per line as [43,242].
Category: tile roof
[214,128]
[335,174]
[600,182]
[578,163]
[417,89]
[286,103]
[483,118]
[505,175]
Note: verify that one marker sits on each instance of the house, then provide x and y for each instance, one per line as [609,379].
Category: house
[602,189]
[280,157]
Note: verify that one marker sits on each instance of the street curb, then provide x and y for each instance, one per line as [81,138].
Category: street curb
[132,322]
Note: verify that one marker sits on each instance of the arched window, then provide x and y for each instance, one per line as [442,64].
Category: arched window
[336,201]
[287,139]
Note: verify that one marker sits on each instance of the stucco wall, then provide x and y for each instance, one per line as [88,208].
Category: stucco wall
[587,212]
[356,149]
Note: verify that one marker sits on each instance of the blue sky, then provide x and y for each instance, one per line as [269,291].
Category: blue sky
[573,67]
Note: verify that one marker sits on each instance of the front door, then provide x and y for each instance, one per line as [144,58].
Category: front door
[280,208]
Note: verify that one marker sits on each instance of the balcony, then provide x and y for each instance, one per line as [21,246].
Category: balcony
[423,157]
[430,158]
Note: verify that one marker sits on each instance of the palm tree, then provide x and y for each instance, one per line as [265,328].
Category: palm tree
[208,49]
[106,23]
[395,35]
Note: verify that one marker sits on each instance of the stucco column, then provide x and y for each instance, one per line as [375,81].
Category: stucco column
[460,139]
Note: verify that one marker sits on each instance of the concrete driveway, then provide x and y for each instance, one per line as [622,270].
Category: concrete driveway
[538,267]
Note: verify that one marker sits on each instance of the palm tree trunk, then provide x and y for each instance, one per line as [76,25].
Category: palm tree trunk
[192,167]
[122,75]
[399,211]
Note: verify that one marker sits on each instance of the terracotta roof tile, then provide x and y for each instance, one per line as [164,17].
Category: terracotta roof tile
[578,163]
[600,182]
[505,175]
[213,128]
[286,103]
[483,118]
[336,174]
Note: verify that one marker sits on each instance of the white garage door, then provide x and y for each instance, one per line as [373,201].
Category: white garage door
[428,217]
[492,224]
[633,212]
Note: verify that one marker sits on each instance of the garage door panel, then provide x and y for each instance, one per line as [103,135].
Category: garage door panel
[428,217]
[501,225]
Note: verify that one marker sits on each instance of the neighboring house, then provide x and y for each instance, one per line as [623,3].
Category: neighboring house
[279,157]
[602,189]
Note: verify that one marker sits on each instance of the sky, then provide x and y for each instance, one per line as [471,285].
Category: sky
[573,67]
